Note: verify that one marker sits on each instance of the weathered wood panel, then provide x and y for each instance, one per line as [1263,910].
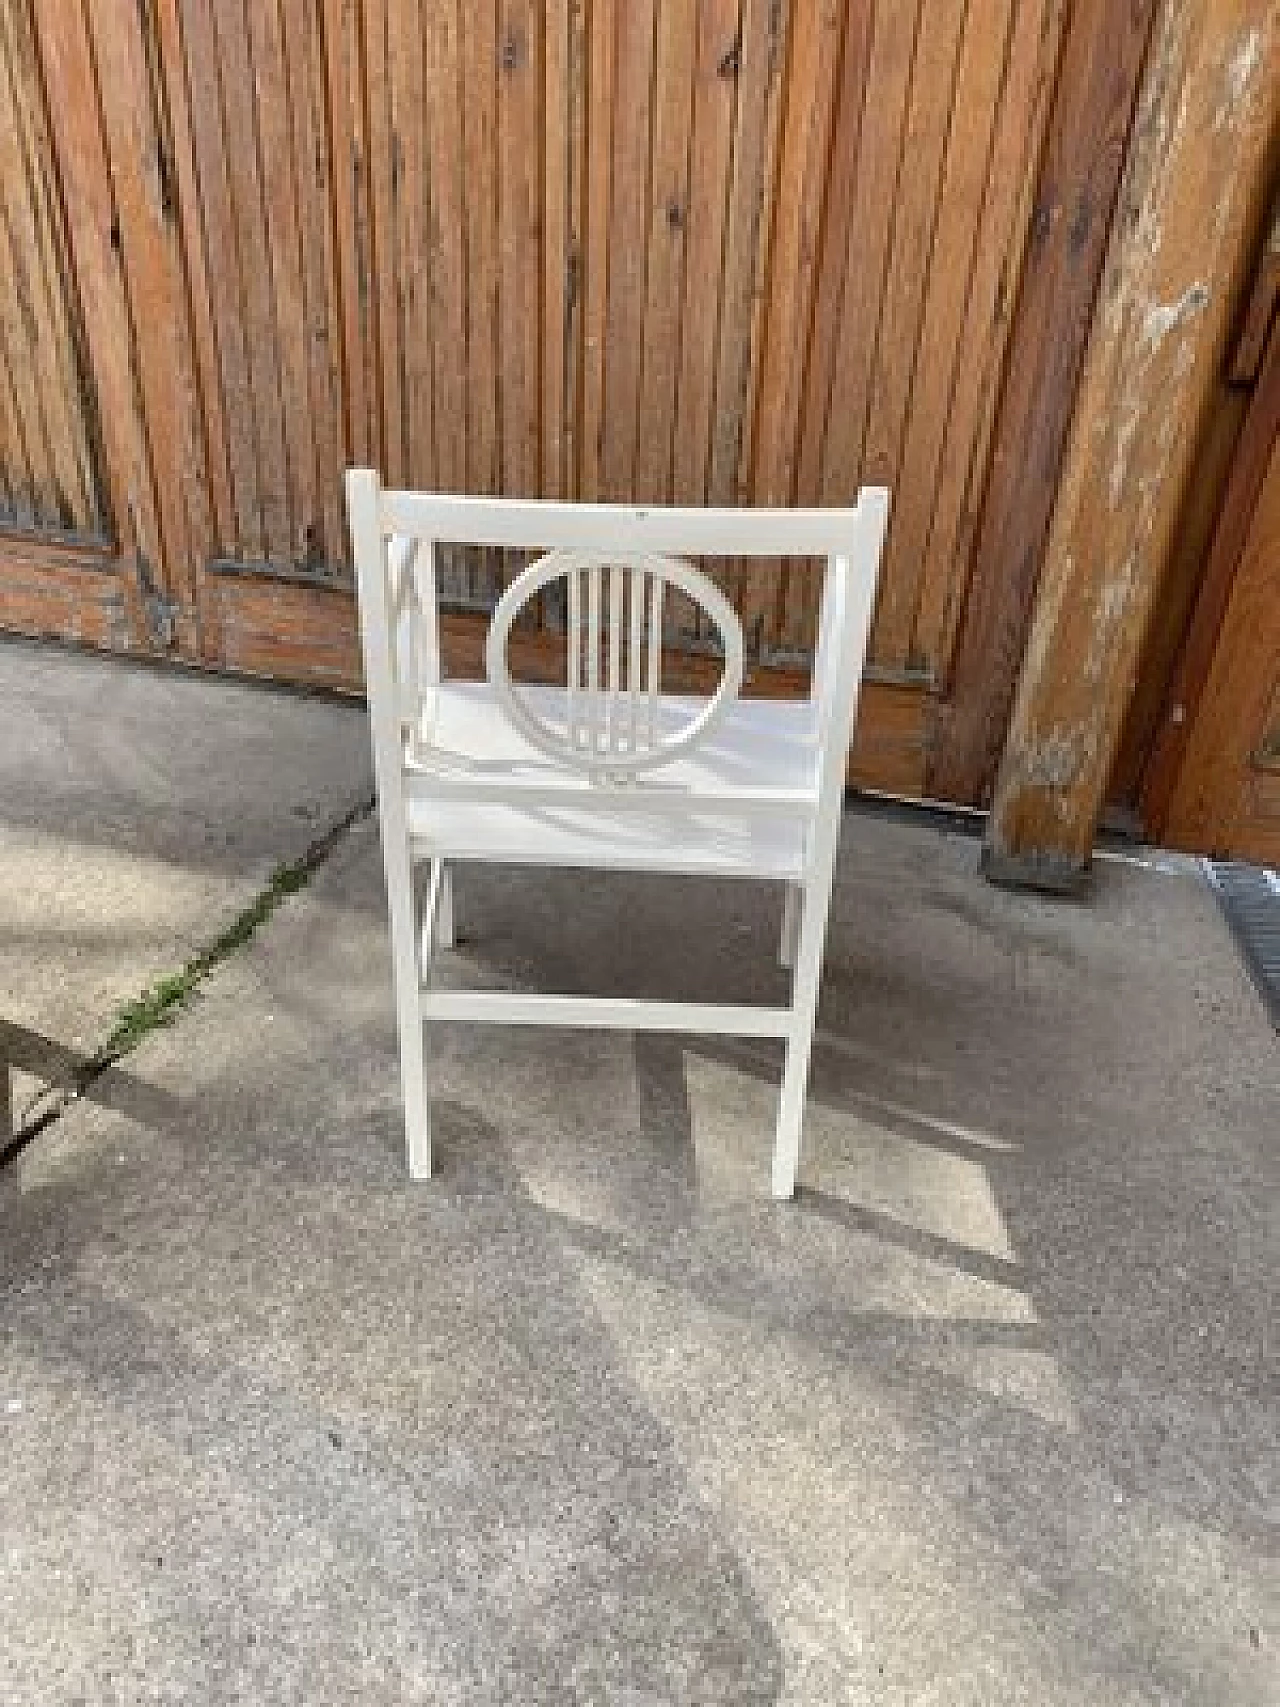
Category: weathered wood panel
[1226,797]
[1196,179]
[736,251]
[1071,218]
[48,464]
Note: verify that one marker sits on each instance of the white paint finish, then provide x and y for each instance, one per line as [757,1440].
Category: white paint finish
[617,746]
[610,1013]
[542,526]
[608,771]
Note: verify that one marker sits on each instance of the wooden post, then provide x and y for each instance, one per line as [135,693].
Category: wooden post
[1093,105]
[1191,196]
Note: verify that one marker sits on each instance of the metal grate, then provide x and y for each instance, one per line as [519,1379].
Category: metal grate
[1250,897]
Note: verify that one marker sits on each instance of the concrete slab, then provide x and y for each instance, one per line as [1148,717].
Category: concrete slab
[988,1415]
[140,810]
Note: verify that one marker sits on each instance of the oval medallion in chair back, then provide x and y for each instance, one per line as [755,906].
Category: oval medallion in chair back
[612,719]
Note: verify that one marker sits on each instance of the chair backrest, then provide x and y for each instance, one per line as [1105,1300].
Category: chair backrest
[608,721]
[612,722]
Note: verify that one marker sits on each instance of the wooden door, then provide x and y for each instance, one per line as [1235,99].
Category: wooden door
[734,252]
[53,510]
[1214,785]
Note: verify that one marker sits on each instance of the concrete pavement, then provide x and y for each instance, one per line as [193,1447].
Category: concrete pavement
[987,1415]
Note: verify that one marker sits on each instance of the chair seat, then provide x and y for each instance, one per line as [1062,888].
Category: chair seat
[761,744]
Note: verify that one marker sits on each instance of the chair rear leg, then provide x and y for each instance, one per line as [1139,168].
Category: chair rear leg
[812,903]
[792,904]
[444,909]
[408,975]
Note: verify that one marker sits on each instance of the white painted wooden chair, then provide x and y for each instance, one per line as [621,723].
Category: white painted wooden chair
[608,771]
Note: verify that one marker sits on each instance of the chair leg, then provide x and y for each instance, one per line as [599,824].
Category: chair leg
[812,902]
[444,909]
[792,905]
[408,977]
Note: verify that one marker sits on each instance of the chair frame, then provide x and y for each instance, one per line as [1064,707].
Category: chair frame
[394,534]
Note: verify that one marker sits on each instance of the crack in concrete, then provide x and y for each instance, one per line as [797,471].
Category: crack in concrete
[161,1003]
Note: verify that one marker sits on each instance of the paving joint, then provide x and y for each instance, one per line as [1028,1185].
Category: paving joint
[161,1003]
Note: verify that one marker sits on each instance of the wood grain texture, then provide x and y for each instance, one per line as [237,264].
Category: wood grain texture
[731,251]
[1188,202]
[253,253]
[519,241]
[380,41]
[136,128]
[1184,587]
[930,112]
[1085,148]
[667,238]
[34,235]
[443,90]
[1192,784]
[803,179]
[634,49]
[84,173]
[835,250]
[325,543]
[757,62]
[710,144]
[344,76]
[1225,778]
[40,467]
[280,202]
[199,287]
[875,195]
[408,247]
[595,282]
[984,333]
[211,203]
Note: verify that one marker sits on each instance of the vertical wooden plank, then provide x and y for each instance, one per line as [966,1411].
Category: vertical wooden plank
[344,67]
[1024,108]
[557,285]
[1194,185]
[16,498]
[668,224]
[480,197]
[280,198]
[578,52]
[251,246]
[444,98]
[1092,110]
[135,122]
[802,181]
[933,88]
[1203,788]
[816,40]
[246,535]
[1159,711]
[34,231]
[979,82]
[520,256]
[379,40]
[410,256]
[714,101]
[628,242]
[199,289]
[837,252]
[50,499]
[67,61]
[595,283]
[870,227]
[312,166]
[761,59]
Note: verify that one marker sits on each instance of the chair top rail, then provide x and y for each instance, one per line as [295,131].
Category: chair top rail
[546,526]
